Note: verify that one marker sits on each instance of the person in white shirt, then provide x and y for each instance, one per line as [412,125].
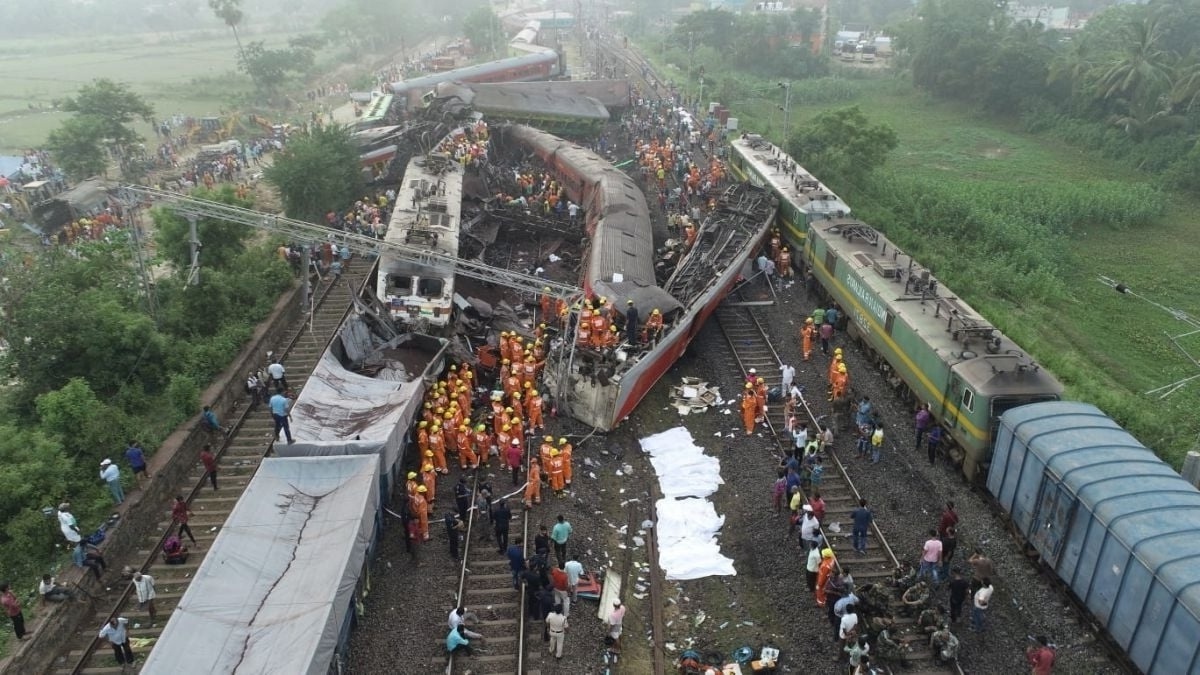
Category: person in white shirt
[67,523]
[144,585]
[615,620]
[52,592]
[459,616]
[556,626]
[111,475]
[117,632]
[789,373]
[574,570]
[983,596]
[848,631]
[278,375]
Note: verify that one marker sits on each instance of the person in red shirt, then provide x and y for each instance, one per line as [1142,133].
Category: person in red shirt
[562,590]
[210,464]
[180,514]
[949,519]
[12,607]
[1041,657]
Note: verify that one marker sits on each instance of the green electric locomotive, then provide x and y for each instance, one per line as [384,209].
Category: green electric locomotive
[936,347]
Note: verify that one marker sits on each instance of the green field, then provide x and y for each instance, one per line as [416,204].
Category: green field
[160,67]
[1108,348]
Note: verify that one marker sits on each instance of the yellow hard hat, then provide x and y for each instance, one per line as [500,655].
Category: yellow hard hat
[541,325]
[760,380]
[503,333]
[422,424]
[562,441]
[505,362]
[479,427]
[429,453]
[506,427]
[548,439]
[453,368]
[516,395]
[808,320]
[422,489]
[534,392]
[749,385]
[655,311]
[464,428]
[838,351]
[508,410]
[447,415]
[427,467]
[827,553]
[841,367]
[554,453]
[546,289]
[785,249]
[412,475]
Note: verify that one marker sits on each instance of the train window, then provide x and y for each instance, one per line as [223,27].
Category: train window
[430,287]
[887,325]
[830,260]
[968,400]
[399,284]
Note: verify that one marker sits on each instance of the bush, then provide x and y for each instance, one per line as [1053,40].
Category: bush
[183,396]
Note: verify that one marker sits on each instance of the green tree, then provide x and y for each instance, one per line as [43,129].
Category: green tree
[482,27]
[1143,70]
[269,68]
[221,241]
[316,173]
[842,145]
[230,12]
[34,473]
[88,428]
[78,147]
[112,107]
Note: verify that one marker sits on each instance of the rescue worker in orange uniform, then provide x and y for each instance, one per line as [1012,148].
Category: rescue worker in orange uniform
[564,312]
[776,244]
[512,383]
[468,457]
[654,326]
[533,488]
[410,486]
[450,435]
[437,443]
[419,507]
[564,453]
[517,428]
[504,437]
[585,328]
[423,436]
[485,445]
[429,480]
[612,338]
[544,449]
[837,359]
[529,371]
[783,264]
[807,335]
[599,330]
[839,384]
[823,572]
[555,469]
[544,303]
[760,400]
[533,410]
[516,348]
[514,402]
[505,370]
[749,406]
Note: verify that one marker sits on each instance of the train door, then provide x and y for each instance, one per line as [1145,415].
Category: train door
[962,397]
[1051,519]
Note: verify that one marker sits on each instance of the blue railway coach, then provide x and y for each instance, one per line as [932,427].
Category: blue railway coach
[1112,520]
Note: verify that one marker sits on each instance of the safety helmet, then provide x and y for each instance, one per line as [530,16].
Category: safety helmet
[505,362]
[422,424]
[506,427]
[554,453]
[749,385]
[514,442]
[422,489]
[516,395]
[827,553]
[427,467]
[503,333]
[541,325]
[479,427]
[508,410]
[412,475]
[534,393]
[841,367]
[655,311]
[613,328]
[546,289]
[838,351]
[528,385]
[429,453]
[562,441]
[548,439]
[629,302]
[447,415]
[760,381]
[453,368]
[464,427]
[785,249]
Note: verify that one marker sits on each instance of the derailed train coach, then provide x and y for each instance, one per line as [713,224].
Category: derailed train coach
[1116,524]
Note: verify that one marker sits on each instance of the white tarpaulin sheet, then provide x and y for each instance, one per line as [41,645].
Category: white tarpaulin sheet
[687,522]
[273,593]
[340,412]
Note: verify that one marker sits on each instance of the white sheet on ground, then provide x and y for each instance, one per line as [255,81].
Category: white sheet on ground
[687,522]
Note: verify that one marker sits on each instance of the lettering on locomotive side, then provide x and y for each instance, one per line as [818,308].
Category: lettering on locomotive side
[868,300]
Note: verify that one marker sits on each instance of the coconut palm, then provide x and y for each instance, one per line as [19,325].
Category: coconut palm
[230,11]
[1143,69]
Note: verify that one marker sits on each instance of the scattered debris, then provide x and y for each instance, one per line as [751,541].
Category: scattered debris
[694,396]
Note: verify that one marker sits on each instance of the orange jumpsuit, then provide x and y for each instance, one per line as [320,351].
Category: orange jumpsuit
[599,329]
[776,245]
[839,383]
[585,330]
[783,265]
[503,438]
[653,327]
[544,453]
[533,409]
[528,371]
[437,443]
[556,474]
[423,441]
[512,384]
[499,420]
[760,400]
[545,306]
[533,489]
[467,455]
[807,334]
[411,487]
[564,453]
[429,479]
[420,509]
[833,368]
[749,406]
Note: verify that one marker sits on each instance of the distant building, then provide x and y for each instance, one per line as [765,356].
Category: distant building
[1053,18]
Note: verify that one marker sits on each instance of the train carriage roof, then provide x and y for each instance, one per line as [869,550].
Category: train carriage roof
[788,178]
[979,352]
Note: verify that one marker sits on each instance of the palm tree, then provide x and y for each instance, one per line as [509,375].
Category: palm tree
[1186,91]
[1142,72]
[231,13]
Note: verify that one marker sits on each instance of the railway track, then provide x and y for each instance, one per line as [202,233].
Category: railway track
[751,347]
[485,587]
[239,454]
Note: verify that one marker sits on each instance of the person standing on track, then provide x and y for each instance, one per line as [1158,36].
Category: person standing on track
[807,334]
[862,518]
[931,559]
[500,520]
[574,570]
[117,633]
[12,608]
[454,529]
[788,373]
[143,585]
[180,514]
[948,520]
[823,573]
[921,422]
[983,598]
[1041,657]
[560,533]
[516,561]
[513,455]
[812,566]
[959,588]
[281,414]
[209,460]
[556,628]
